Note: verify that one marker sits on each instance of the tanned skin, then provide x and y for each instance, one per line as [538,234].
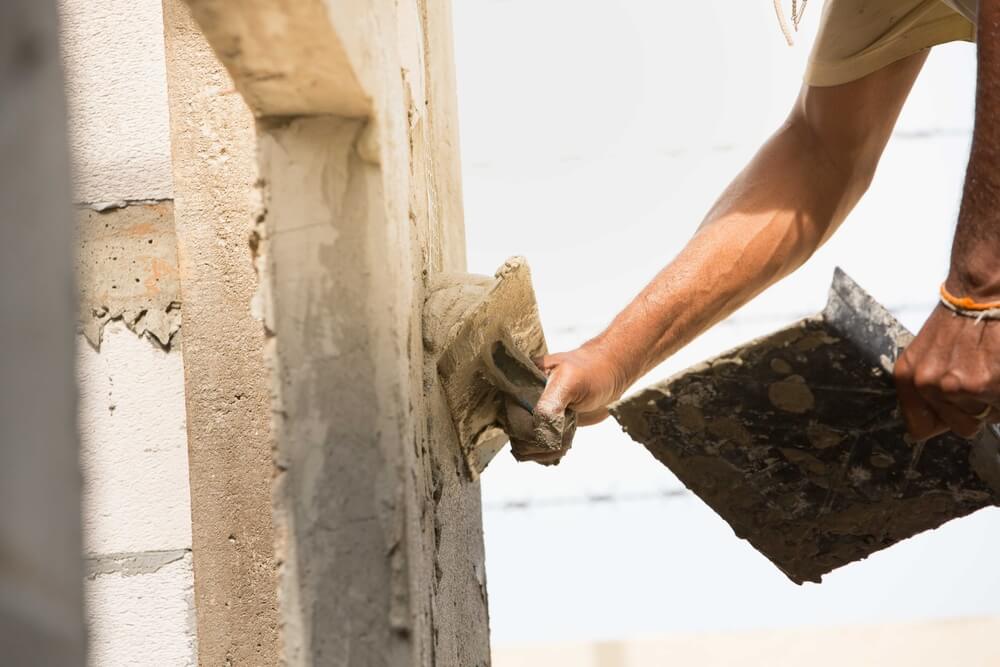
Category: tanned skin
[776,213]
[951,372]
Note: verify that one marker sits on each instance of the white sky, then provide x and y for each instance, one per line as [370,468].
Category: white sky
[594,137]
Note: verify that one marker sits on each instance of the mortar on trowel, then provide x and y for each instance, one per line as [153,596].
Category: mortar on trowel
[484,333]
[795,440]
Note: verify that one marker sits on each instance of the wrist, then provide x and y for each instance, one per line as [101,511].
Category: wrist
[975,276]
[623,361]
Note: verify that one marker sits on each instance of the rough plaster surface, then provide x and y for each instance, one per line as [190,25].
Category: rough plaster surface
[379,530]
[339,497]
[41,620]
[141,610]
[379,537]
[287,67]
[133,445]
[116,86]
[126,267]
[228,406]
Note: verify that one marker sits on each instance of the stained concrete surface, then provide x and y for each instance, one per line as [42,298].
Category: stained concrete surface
[126,265]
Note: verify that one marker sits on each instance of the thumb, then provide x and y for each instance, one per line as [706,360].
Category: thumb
[554,424]
[557,396]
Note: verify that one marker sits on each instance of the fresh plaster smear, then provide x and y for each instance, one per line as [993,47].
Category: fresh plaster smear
[126,267]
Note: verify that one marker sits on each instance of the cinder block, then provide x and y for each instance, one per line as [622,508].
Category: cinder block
[141,610]
[133,445]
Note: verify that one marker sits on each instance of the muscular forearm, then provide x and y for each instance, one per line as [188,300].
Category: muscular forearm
[975,261]
[788,200]
[772,217]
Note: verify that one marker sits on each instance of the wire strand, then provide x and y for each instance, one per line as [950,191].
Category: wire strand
[523,504]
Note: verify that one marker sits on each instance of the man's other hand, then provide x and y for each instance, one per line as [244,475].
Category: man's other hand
[948,378]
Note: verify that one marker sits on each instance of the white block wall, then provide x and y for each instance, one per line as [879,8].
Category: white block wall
[136,505]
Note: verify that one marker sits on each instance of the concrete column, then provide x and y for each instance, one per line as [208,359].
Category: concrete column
[377,529]
[41,616]
[226,388]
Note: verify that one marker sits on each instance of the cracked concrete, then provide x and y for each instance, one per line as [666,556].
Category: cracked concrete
[126,267]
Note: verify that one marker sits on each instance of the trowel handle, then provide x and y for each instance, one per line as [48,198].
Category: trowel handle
[514,374]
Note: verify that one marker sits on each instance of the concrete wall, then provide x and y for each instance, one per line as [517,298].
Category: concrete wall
[136,504]
[228,402]
[379,541]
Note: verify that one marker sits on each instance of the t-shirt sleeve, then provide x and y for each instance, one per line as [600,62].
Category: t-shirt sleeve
[858,37]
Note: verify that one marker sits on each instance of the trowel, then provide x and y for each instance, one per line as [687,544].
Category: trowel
[484,333]
[795,439]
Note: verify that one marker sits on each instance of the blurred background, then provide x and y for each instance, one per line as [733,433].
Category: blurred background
[594,138]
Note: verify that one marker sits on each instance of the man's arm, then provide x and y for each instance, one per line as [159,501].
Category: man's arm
[949,377]
[790,198]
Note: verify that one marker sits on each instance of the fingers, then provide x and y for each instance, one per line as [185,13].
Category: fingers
[525,443]
[920,419]
[525,451]
[558,395]
[944,381]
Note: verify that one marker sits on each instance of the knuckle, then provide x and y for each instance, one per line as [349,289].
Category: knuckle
[951,384]
[926,377]
[977,385]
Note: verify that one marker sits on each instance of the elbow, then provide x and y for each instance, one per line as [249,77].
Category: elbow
[837,170]
[846,160]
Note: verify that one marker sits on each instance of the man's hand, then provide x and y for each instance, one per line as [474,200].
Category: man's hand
[586,380]
[948,378]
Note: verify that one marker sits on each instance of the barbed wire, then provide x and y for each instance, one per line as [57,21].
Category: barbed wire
[758,318]
[541,502]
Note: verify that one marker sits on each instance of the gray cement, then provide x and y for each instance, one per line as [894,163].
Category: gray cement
[126,266]
[131,564]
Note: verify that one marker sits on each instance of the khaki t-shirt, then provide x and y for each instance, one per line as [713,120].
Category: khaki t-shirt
[858,37]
